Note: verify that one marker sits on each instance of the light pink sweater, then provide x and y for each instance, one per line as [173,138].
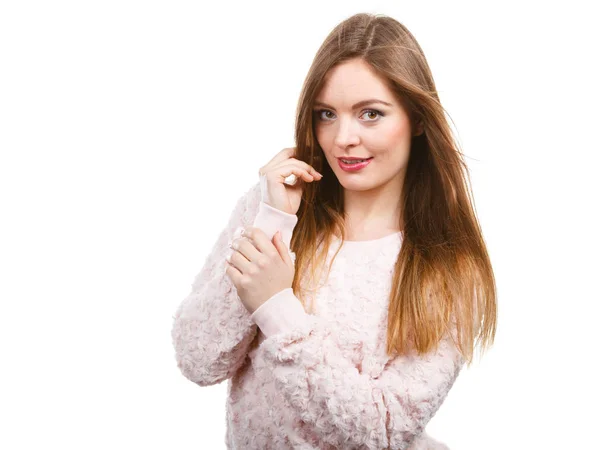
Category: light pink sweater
[304,381]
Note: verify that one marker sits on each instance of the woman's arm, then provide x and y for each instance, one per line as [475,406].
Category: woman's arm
[212,330]
[387,405]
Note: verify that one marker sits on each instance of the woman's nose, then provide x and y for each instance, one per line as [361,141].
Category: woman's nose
[347,134]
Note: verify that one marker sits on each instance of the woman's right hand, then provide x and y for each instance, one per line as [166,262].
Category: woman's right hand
[276,193]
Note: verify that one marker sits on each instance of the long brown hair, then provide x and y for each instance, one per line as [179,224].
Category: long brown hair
[443,279]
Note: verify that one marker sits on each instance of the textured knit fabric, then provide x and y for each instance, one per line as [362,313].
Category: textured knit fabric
[310,381]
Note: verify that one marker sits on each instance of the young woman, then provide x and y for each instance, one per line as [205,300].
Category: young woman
[360,355]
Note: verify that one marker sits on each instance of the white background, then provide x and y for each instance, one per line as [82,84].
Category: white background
[129,129]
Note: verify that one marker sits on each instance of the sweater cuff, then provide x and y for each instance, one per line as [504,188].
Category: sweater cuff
[270,220]
[282,313]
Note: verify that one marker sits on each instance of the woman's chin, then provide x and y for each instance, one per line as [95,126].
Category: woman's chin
[354,184]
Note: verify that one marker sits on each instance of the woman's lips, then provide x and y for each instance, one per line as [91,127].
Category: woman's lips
[354,167]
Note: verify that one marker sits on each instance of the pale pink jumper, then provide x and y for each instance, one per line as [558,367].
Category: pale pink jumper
[310,381]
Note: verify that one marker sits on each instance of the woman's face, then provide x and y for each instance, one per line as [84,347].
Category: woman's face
[380,131]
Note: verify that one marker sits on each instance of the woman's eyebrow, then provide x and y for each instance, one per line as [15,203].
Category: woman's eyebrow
[357,105]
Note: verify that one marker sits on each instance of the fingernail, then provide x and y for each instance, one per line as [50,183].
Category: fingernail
[238,232]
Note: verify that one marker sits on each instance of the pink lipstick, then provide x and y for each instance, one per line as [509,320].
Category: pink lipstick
[353,166]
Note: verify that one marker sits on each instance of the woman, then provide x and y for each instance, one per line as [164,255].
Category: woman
[362,356]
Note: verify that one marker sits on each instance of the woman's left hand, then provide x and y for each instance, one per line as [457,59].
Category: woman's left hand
[259,267]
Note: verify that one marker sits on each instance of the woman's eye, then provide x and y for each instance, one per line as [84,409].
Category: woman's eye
[373,111]
[321,111]
[370,112]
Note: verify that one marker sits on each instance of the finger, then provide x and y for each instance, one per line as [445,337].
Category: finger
[239,261]
[260,241]
[233,273]
[244,254]
[310,169]
[282,172]
[282,249]
[284,154]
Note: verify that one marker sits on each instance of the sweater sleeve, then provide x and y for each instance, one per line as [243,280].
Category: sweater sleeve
[386,406]
[212,331]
